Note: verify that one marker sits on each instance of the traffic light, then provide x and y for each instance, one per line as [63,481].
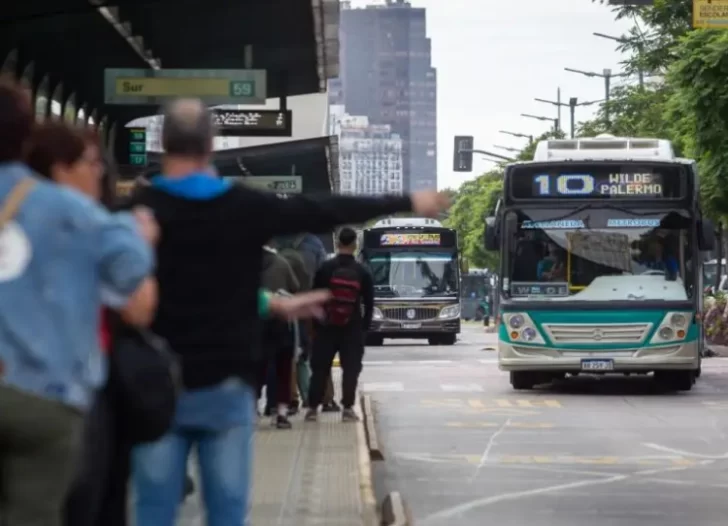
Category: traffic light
[463,154]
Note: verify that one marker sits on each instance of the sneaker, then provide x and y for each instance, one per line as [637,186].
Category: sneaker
[331,407]
[311,415]
[349,415]
[293,409]
[282,422]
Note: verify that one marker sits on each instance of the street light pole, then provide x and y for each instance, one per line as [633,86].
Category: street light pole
[506,148]
[573,103]
[544,119]
[640,50]
[607,75]
[519,135]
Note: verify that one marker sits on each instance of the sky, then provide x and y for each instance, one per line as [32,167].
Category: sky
[494,57]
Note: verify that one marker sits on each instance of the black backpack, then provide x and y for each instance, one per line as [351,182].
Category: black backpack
[345,287]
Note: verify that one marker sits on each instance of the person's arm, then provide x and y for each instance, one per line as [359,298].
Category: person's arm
[367,297]
[124,259]
[142,305]
[317,214]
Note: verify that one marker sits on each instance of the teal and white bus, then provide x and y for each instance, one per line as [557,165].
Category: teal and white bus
[601,267]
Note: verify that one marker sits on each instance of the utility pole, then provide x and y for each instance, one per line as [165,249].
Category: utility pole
[640,52]
[607,75]
[519,135]
[573,103]
[544,119]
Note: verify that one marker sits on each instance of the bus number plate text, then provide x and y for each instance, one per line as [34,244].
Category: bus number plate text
[597,365]
[411,325]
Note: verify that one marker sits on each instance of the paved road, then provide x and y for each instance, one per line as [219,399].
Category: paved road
[464,448]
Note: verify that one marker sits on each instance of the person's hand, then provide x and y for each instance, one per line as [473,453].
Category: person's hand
[302,305]
[429,203]
[148,226]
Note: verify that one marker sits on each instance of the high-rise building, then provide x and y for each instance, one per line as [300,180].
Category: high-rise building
[386,74]
[370,155]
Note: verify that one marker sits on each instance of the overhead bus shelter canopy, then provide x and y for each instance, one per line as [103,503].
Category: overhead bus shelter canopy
[61,48]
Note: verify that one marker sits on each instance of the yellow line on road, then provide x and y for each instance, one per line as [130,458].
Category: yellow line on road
[488,425]
[552,460]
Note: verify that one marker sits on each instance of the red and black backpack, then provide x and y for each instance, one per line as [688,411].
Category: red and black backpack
[345,287]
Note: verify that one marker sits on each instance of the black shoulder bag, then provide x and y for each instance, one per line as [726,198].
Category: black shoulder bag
[145,378]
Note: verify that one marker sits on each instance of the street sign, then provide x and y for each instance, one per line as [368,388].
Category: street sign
[213,86]
[463,153]
[253,123]
[131,146]
[710,14]
[279,184]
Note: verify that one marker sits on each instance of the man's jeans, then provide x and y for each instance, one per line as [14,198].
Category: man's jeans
[226,465]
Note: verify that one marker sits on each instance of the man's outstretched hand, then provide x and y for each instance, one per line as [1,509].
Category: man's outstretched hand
[428,203]
[303,305]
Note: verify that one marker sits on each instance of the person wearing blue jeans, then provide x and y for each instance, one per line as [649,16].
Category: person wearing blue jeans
[215,421]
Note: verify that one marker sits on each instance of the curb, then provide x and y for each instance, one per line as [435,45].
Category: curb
[375,452]
[395,511]
[366,484]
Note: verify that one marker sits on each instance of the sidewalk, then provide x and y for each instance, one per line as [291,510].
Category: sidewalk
[318,474]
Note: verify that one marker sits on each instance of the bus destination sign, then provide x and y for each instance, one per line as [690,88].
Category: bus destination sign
[395,240]
[595,181]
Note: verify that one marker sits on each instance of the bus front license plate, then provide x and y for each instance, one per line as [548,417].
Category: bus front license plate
[597,365]
[411,325]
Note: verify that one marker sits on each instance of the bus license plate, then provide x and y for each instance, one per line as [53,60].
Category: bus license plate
[411,325]
[597,365]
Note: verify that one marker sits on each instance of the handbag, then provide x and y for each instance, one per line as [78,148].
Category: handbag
[145,377]
[15,199]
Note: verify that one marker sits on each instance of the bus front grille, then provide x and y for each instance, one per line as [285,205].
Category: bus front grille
[410,313]
[629,333]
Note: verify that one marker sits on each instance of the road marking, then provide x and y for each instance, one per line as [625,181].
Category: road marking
[466,388]
[379,362]
[553,404]
[433,362]
[383,387]
[672,463]
[682,453]
[488,361]
[445,515]
[488,425]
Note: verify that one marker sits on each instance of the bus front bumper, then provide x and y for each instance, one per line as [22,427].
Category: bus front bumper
[642,360]
[402,329]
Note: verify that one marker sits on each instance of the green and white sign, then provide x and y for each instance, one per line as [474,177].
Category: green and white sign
[213,86]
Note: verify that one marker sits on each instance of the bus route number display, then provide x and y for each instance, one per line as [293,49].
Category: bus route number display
[603,185]
[399,240]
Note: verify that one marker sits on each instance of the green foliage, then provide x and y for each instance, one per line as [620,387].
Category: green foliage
[686,98]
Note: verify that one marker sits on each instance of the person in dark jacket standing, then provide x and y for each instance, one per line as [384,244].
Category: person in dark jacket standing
[209,265]
[344,327]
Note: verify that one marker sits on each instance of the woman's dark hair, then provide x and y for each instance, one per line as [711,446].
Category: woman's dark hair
[54,142]
[16,120]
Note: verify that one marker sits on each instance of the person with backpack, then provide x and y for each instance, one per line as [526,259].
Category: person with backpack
[344,326]
[278,339]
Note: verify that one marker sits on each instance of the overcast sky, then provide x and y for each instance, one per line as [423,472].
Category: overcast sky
[493,57]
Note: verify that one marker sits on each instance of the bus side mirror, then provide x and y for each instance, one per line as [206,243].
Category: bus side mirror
[491,234]
[706,235]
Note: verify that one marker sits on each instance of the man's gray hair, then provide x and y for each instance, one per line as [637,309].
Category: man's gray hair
[188,129]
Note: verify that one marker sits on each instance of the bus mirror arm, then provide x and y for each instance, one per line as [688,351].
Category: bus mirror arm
[706,235]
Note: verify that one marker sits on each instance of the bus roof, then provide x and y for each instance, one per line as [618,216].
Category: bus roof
[604,148]
[393,222]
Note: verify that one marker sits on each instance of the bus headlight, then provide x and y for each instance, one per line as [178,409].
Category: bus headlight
[520,328]
[516,321]
[377,314]
[673,328]
[451,311]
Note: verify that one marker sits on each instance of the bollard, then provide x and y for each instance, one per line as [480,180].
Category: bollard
[395,511]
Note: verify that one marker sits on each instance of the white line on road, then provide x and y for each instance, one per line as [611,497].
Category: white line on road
[434,362]
[680,452]
[488,361]
[461,388]
[383,387]
[379,362]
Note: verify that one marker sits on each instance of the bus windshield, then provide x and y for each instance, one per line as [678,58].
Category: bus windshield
[413,273]
[598,253]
